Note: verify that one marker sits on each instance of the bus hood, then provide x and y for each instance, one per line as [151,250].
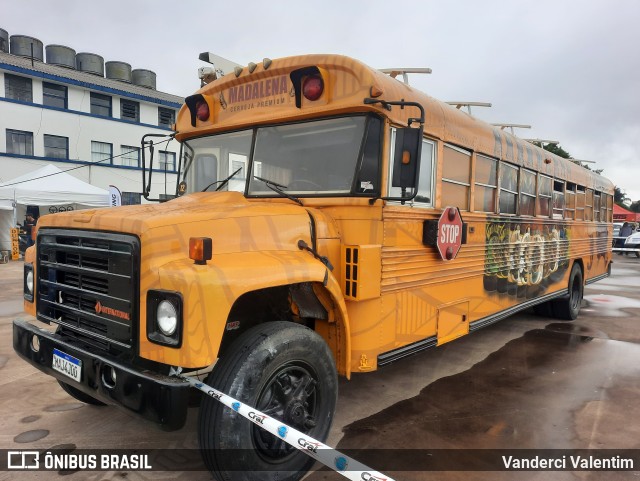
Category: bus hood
[233,223]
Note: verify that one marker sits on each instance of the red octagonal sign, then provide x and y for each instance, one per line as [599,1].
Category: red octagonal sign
[449,233]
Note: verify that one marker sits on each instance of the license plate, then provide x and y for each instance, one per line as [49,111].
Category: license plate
[67,365]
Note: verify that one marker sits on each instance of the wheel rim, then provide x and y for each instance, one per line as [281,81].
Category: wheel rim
[291,395]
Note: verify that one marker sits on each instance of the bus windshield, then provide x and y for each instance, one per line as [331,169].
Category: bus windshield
[311,158]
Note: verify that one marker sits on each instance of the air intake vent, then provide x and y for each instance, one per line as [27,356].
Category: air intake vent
[361,272]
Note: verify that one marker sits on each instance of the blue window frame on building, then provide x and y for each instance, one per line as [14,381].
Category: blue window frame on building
[56,146]
[18,88]
[100,104]
[19,142]
[54,95]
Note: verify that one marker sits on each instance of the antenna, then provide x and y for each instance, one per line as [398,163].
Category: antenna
[468,105]
[512,126]
[394,72]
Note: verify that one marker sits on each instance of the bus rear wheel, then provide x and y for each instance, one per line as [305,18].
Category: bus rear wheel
[284,370]
[568,307]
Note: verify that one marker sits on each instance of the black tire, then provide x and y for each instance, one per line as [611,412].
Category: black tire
[568,308]
[79,395]
[284,370]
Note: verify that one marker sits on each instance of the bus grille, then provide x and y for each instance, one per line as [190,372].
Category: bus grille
[88,285]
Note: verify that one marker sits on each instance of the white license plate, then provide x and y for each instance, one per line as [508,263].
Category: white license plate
[67,365]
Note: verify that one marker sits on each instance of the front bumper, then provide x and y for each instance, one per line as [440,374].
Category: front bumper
[155,397]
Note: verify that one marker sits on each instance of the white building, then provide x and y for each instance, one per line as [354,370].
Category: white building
[66,113]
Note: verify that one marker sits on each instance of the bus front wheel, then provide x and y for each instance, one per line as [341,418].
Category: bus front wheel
[284,370]
[568,307]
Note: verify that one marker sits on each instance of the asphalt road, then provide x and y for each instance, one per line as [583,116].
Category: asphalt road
[524,383]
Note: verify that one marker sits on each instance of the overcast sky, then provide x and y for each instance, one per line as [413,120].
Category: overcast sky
[571,69]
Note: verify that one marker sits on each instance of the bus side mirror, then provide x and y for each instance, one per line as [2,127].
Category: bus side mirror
[406,162]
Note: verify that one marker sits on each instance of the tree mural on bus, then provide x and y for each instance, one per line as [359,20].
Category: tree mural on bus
[522,259]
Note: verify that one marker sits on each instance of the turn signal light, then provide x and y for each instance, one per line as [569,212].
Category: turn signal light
[200,249]
[312,87]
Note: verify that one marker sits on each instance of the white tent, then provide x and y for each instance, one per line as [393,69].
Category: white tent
[48,186]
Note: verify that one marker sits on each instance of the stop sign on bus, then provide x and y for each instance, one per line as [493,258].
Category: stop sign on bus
[449,233]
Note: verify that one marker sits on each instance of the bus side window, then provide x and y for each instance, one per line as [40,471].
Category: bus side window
[425,182]
[570,201]
[558,199]
[544,195]
[508,188]
[456,172]
[596,206]
[527,192]
[486,184]
[368,177]
[580,199]
[588,205]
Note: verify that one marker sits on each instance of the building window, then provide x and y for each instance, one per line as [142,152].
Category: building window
[129,155]
[55,146]
[167,161]
[18,88]
[19,142]
[54,95]
[131,198]
[101,151]
[166,117]
[100,104]
[129,110]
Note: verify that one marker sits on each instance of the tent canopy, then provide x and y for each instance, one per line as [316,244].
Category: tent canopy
[50,186]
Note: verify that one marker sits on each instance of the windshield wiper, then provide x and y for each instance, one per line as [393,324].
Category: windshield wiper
[274,186]
[222,182]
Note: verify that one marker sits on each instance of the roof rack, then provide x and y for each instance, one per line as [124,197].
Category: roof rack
[394,72]
[468,105]
[512,126]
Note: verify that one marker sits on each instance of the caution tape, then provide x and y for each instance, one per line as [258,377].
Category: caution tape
[334,459]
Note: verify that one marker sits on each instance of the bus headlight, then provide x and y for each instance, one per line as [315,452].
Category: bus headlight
[164,318]
[167,318]
[28,282]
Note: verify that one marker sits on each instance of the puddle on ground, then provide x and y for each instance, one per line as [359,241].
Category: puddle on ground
[31,436]
[609,305]
[29,419]
[526,395]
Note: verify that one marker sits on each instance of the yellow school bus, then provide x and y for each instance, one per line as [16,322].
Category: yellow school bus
[328,220]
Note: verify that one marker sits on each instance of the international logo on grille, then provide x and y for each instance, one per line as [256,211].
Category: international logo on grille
[100,309]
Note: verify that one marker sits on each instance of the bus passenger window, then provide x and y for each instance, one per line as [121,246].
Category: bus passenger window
[508,188]
[486,184]
[558,199]
[570,201]
[456,171]
[588,205]
[527,192]
[596,207]
[425,181]
[580,198]
[544,195]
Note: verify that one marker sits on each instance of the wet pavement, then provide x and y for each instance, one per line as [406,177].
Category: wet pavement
[524,383]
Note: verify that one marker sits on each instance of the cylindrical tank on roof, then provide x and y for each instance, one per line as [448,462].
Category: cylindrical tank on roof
[144,78]
[61,55]
[22,45]
[118,71]
[4,40]
[90,63]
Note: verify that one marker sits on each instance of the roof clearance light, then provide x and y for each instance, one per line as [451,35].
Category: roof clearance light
[312,87]
[202,110]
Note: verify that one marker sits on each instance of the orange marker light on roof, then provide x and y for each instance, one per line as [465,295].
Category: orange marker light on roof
[200,249]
